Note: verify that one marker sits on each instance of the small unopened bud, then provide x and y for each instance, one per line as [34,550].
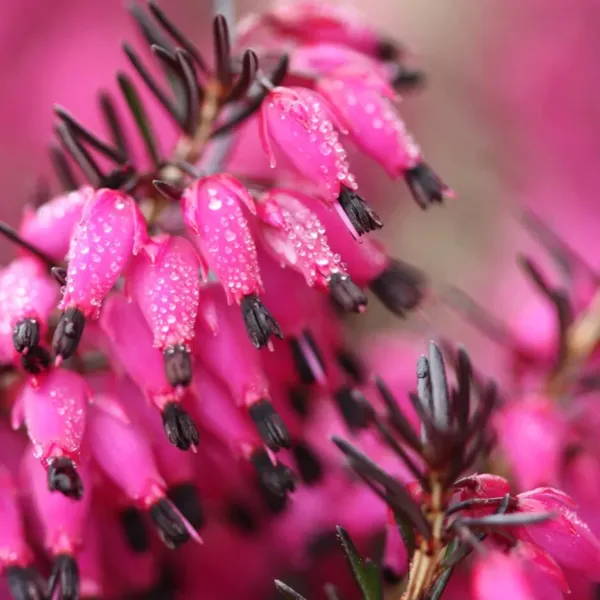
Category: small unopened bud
[270,425]
[179,427]
[169,524]
[260,324]
[64,478]
[187,501]
[64,578]
[68,332]
[361,215]
[346,294]
[26,335]
[276,478]
[178,366]
[134,527]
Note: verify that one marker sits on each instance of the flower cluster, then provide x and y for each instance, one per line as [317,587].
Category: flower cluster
[175,360]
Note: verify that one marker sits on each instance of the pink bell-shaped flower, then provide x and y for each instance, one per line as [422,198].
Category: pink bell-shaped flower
[124,454]
[297,121]
[164,280]
[50,227]
[298,239]
[247,383]
[63,522]
[363,103]
[111,229]
[131,343]
[54,412]
[213,213]
[498,576]
[27,298]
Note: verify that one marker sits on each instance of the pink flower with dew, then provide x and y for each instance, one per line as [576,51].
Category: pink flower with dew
[27,298]
[296,237]
[164,280]
[213,213]
[55,415]
[481,487]
[63,519]
[14,550]
[566,537]
[247,384]
[498,576]
[309,21]
[51,226]
[89,561]
[228,423]
[125,455]
[111,229]
[543,567]
[364,105]
[297,120]
[532,434]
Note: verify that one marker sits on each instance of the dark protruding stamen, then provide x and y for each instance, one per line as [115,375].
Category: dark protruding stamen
[278,478]
[241,517]
[93,140]
[222,42]
[300,401]
[400,287]
[25,583]
[301,361]
[7,231]
[346,294]
[388,50]
[170,192]
[140,116]
[308,464]
[134,528]
[26,335]
[405,79]
[64,577]
[361,215]
[186,498]
[36,361]
[425,186]
[64,478]
[178,366]
[68,332]
[177,35]
[179,427]
[356,412]
[260,324]
[170,526]
[63,170]
[246,78]
[270,425]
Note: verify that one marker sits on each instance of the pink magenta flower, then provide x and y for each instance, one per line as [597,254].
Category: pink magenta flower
[298,122]
[27,298]
[51,226]
[500,576]
[131,342]
[164,280]
[54,412]
[247,383]
[213,213]
[111,229]
[363,103]
[298,239]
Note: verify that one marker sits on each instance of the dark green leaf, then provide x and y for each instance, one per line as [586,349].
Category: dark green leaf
[407,533]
